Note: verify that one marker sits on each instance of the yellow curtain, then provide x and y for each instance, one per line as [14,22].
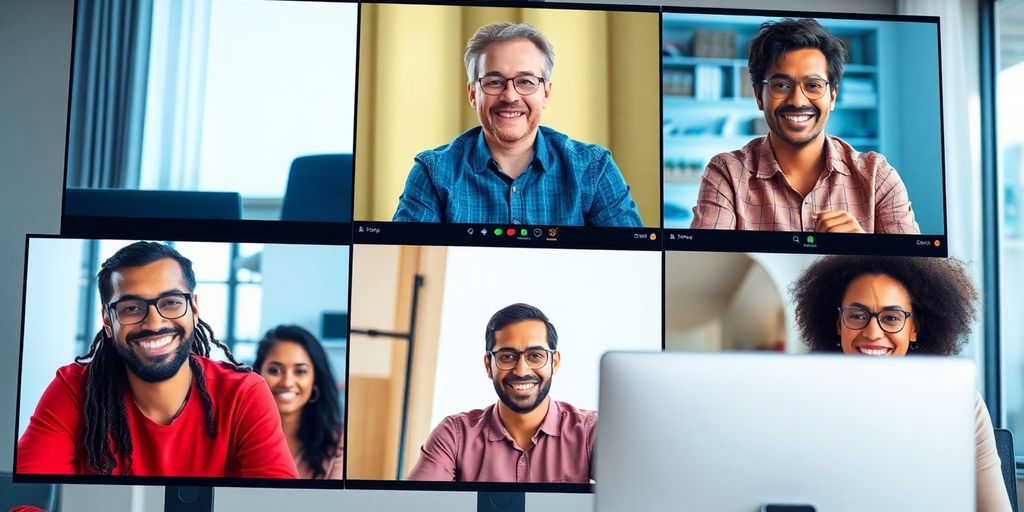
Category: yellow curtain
[412,91]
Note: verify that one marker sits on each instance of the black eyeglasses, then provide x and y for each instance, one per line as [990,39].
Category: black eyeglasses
[525,85]
[507,359]
[813,88]
[890,320]
[133,311]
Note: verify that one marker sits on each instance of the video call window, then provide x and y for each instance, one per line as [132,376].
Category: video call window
[449,433]
[239,334]
[223,109]
[590,115]
[880,119]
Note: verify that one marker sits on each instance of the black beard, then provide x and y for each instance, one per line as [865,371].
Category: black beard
[162,367]
[542,393]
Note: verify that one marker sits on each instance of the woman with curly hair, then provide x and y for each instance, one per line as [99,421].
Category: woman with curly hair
[897,306]
[299,374]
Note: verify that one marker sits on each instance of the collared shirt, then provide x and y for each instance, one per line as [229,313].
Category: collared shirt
[567,183]
[746,189]
[475,447]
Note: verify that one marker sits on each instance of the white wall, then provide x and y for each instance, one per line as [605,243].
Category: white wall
[296,277]
[597,301]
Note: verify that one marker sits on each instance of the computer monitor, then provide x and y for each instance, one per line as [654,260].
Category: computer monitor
[736,432]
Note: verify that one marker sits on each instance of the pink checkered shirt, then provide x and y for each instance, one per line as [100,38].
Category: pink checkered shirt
[475,447]
[746,189]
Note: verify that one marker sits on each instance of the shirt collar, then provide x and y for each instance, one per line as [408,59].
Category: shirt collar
[480,157]
[767,166]
[549,425]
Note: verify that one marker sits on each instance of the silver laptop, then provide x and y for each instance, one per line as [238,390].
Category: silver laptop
[738,432]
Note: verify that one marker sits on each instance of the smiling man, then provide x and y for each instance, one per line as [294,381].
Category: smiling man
[526,436]
[510,169]
[135,407]
[797,178]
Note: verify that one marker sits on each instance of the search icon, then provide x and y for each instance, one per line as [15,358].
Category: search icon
[796,239]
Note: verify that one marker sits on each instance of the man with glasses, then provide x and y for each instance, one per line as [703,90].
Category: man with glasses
[510,169]
[526,436]
[132,406]
[797,178]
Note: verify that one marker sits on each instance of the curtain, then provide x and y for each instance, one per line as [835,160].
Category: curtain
[108,89]
[412,91]
[176,95]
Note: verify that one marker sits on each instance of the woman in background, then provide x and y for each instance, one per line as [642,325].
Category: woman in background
[897,306]
[296,368]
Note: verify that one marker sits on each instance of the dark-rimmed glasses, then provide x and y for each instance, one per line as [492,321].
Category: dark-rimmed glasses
[133,311]
[507,359]
[813,88]
[891,320]
[525,85]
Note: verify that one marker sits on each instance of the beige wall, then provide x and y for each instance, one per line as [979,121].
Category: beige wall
[382,299]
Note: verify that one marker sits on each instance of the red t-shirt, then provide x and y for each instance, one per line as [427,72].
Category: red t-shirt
[249,441]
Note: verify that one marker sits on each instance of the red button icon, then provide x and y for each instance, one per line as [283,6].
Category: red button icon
[510,232]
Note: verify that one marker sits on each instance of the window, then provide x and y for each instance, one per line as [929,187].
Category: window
[1009,107]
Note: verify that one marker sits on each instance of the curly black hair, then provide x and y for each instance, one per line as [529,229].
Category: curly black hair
[942,298]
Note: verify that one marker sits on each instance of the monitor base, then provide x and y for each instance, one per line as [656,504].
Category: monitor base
[188,499]
[501,502]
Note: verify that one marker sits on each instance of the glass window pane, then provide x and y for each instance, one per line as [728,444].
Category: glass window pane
[1010,136]
[213,305]
[248,301]
[210,261]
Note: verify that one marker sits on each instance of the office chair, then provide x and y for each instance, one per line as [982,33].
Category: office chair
[1004,446]
[319,189]
[169,204]
[44,496]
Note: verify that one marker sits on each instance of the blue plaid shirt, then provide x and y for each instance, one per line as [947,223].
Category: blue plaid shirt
[568,183]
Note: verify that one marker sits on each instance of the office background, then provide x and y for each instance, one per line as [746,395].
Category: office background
[35,42]
[209,96]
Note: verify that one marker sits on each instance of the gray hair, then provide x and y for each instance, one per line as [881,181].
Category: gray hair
[504,31]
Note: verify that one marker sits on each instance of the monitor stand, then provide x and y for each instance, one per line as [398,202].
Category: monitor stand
[501,502]
[187,499]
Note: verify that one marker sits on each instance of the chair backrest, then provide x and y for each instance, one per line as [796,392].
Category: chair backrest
[44,496]
[319,189]
[1004,446]
[168,204]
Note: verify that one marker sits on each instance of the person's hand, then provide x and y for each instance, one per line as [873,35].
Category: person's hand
[837,221]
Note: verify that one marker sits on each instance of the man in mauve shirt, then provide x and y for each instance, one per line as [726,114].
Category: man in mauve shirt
[526,436]
[135,407]
[797,178]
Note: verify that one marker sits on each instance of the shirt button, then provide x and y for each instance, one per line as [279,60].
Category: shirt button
[515,189]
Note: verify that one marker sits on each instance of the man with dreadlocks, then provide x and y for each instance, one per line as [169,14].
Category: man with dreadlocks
[131,406]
